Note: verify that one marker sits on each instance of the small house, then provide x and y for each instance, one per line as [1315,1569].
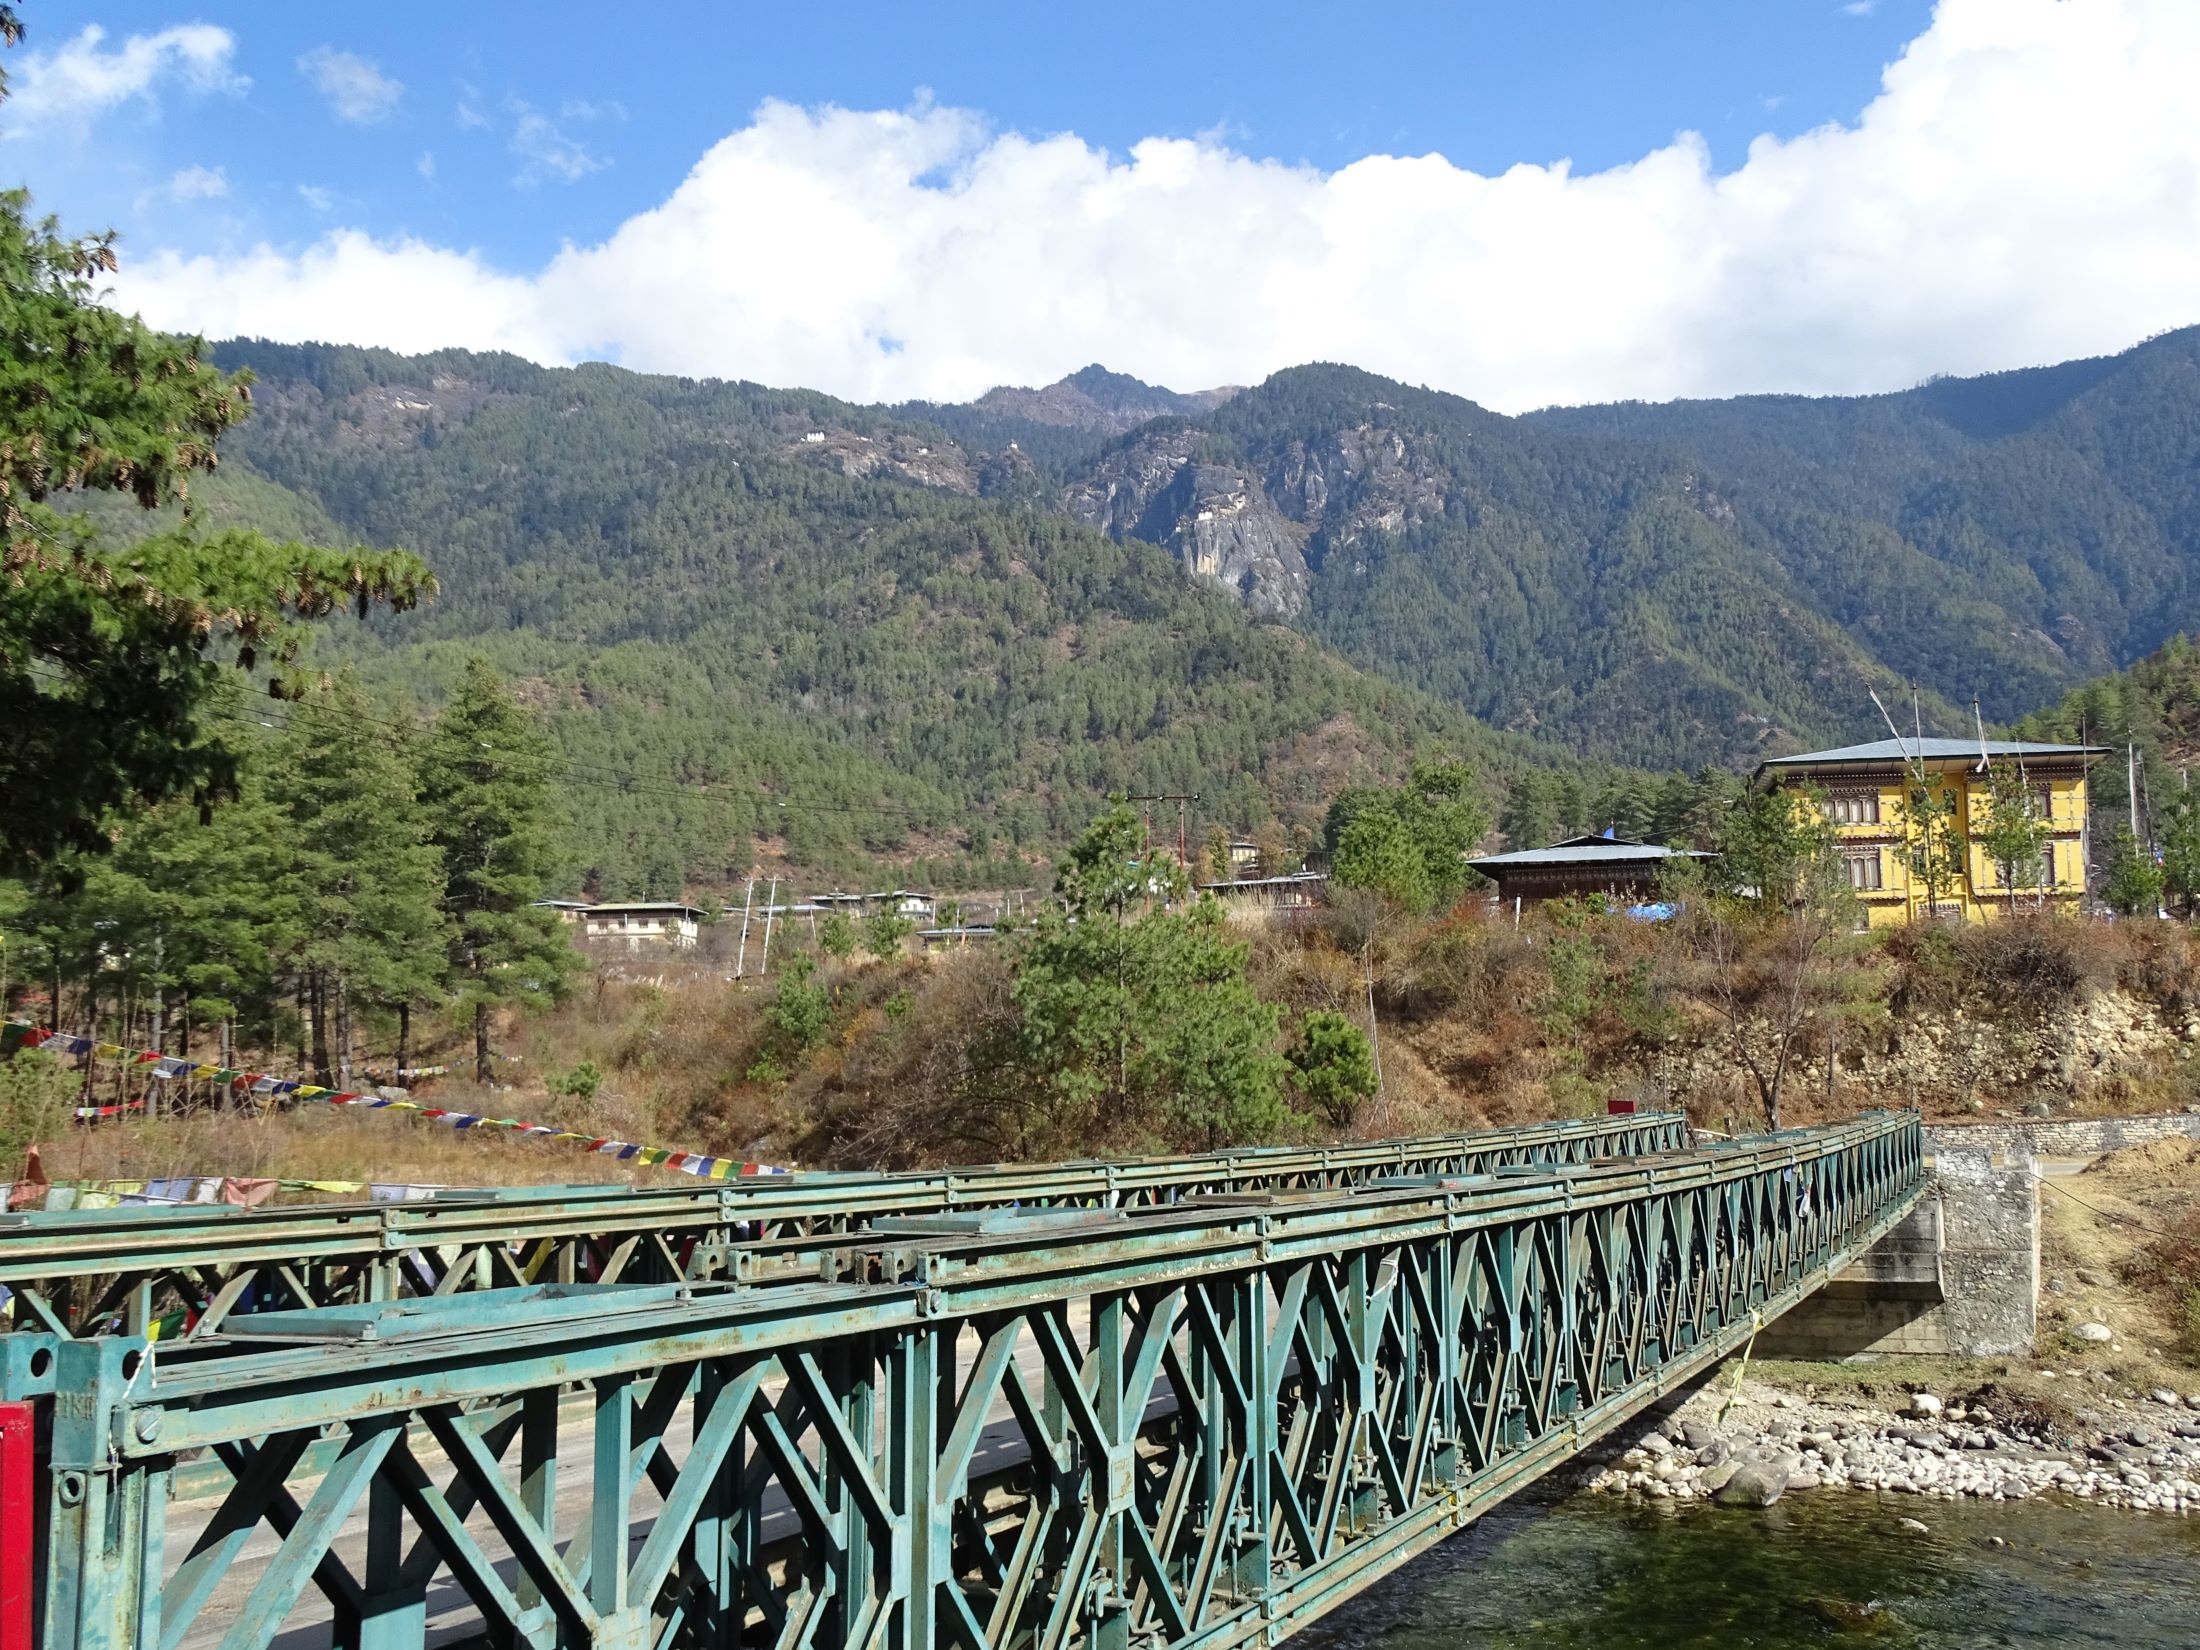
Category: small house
[1606,865]
[642,925]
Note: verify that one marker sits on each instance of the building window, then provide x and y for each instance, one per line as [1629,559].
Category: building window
[1854,808]
[1864,871]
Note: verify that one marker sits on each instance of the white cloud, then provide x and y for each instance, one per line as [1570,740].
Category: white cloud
[546,152]
[581,108]
[425,165]
[1860,8]
[199,183]
[84,78]
[467,116]
[2025,187]
[317,196]
[402,293]
[355,89]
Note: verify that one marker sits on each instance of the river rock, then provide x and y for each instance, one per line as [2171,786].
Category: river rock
[1914,1526]
[1752,1484]
[1924,1403]
[2098,1333]
[2163,1395]
[1699,1436]
[1714,1452]
[1714,1477]
[2090,1278]
[1655,1443]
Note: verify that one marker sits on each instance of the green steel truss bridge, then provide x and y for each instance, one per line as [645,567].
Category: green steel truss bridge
[1122,1425]
[72,1272]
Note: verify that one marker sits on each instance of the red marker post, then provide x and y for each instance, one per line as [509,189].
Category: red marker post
[17,1521]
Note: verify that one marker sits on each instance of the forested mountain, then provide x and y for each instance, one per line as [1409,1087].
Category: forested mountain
[762,618]
[2152,709]
[767,617]
[1700,580]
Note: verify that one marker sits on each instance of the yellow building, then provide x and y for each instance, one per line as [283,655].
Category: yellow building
[1866,790]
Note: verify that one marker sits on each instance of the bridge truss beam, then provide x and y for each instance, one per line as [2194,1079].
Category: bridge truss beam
[1191,1426]
[74,1272]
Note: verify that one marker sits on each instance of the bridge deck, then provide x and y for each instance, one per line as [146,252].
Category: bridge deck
[1191,1424]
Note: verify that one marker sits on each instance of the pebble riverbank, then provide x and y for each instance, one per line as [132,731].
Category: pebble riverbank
[2111,1448]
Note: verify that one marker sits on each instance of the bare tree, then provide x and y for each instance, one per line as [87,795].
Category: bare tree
[1755,957]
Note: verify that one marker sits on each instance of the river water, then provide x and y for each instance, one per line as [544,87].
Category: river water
[1815,1571]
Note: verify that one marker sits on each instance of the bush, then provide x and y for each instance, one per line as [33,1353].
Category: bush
[2029,959]
[581,1083]
[2154,960]
[1333,1065]
[1470,964]
[1929,968]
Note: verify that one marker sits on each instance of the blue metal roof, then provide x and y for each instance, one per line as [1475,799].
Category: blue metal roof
[1588,851]
[1929,749]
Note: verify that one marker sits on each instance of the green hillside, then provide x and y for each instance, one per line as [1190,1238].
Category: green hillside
[739,645]
[763,619]
[1698,581]
[2007,535]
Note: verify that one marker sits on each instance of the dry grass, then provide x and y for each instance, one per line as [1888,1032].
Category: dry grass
[2123,1241]
[323,1143]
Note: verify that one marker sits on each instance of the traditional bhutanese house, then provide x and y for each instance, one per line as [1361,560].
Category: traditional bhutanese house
[1581,865]
[641,925]
[1265,896]
[1866,790]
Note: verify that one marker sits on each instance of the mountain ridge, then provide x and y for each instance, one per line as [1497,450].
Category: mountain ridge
[913,600]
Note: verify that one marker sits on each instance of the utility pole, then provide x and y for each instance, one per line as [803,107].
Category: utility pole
[2131,787]
[771,906]
[1374,1041]
[1180,798]
[741,956]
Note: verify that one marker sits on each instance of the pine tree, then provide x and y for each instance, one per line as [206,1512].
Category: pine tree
[1137,1023]
[1410,842]
[484,780]
[112,659]
[2177,822]
[367,875]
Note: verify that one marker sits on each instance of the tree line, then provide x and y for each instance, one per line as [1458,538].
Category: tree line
[363,868]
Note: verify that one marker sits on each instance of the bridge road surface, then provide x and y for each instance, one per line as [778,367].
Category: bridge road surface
[451,1614]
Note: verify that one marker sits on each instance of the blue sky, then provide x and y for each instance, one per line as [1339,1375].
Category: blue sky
[634,95]
[1525,203]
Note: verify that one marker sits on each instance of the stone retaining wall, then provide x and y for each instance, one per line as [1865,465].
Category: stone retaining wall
[2060,1137]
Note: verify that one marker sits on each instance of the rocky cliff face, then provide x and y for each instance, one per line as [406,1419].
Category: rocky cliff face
[1261,528]
[1216,518]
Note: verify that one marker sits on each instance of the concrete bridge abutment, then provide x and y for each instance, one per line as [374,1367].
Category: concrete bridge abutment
[1960,1277]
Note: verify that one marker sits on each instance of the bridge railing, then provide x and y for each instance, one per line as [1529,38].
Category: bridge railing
[1200,1424]
[74,1272]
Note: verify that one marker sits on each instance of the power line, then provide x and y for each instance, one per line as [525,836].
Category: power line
[2105,1214]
